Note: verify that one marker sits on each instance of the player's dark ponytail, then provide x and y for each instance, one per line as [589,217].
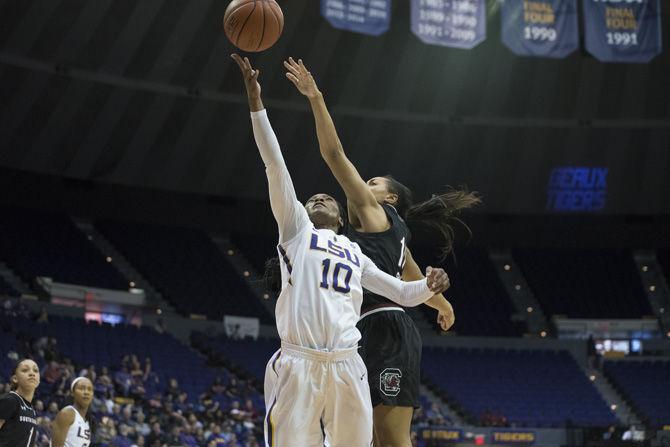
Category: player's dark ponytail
[438,215]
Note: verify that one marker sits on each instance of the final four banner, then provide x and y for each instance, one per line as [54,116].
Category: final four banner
[451,23]
[360,16]
[546,28]
[623,30]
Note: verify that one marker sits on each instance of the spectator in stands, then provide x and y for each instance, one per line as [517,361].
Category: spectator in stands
[135,367]
[52,373]
[216,438]
[434,415]
[123,381]
[186,437]
[51,350]
[217,387]
[250,409]
[173,388]
[156,434]
[103,383]
[139,424]
[89,373]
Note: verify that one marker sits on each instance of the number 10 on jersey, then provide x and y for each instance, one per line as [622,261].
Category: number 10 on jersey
[339,270]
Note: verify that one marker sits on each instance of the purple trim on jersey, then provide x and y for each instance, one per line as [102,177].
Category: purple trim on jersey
[284,256]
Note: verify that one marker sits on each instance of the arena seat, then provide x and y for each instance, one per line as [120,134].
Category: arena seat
[528,388]
[584,283]
[481,304]
[40,244]
[187,268]
[645,385]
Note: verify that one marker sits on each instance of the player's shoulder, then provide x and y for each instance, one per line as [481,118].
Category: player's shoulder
[8,398]
[300,236]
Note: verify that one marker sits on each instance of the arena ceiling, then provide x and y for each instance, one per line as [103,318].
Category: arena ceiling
[143,93]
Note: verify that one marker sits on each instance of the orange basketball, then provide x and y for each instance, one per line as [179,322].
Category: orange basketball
[253,25]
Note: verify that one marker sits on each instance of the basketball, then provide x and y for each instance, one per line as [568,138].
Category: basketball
[253,25]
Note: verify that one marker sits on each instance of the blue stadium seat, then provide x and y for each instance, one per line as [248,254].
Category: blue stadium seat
[187,268]
[584,283]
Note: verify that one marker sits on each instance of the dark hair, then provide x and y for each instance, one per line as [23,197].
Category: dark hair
[12,386]
[272,274]
[438,215]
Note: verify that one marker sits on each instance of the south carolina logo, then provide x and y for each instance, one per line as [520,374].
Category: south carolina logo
[389,381]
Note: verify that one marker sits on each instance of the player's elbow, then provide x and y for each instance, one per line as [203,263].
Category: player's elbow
[331,153]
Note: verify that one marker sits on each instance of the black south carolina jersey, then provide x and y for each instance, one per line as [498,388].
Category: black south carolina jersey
[20,427]
[386,249]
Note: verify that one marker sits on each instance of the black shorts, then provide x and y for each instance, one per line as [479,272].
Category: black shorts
[391,349]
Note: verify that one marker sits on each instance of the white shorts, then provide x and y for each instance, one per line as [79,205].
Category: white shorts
[318,398]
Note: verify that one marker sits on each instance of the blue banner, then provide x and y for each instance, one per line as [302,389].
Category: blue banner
[545,28]
[623,30]
[371,17]
[450,23]
[577,188]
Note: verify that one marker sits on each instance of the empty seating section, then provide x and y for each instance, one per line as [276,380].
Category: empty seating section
[584,284]
[186,267]
[40,244]
[257,249]
[481,304]
[528,388]
[646,387]
[251,355]
[663,257]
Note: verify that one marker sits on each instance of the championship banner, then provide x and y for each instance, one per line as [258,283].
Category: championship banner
[544,28]
[450,23]
[623,30]
[512,437]
[371,17]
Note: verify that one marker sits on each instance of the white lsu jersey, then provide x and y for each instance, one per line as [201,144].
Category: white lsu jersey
[79,434]
[323,273]
[321,297]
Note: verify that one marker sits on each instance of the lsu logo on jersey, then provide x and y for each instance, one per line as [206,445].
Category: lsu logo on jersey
[331,247]
[84,434]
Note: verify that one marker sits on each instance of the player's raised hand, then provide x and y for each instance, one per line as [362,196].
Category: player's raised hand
[249,75]
[437,279]
[298,74]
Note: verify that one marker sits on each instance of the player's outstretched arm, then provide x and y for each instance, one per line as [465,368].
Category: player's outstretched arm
[61,425]
[363,207]
[287,210]
[405,293]
[445,312]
